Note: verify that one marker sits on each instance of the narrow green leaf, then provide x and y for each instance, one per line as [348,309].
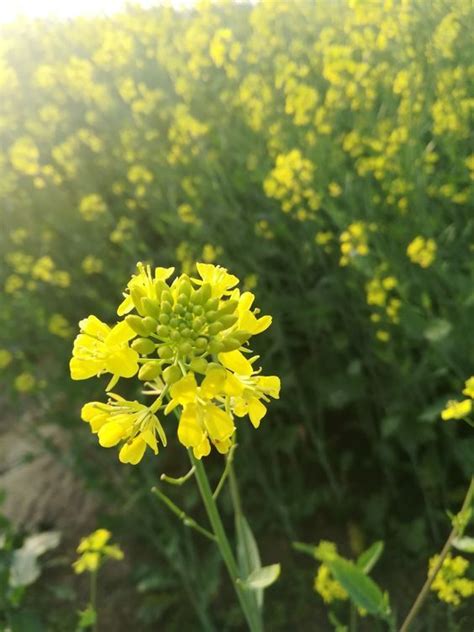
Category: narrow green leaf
[262,577]
[369,558]
[248,556]
[362,590]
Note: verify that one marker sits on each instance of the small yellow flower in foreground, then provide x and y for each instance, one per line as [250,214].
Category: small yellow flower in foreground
[456,409]
[326,586]
[469,387]
[450,584]
[94,550]
[187,341]
[422,251]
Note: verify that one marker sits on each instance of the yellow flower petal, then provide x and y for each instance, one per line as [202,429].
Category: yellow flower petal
[184,391]
[257,411]
[110,434]
[133,452]
[190,432]
[236,361]
[123,362]
[219,424]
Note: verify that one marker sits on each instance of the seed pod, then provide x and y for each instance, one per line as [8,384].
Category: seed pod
[172,374]
[144,346]
[151,307]
[137,324]
[150,370]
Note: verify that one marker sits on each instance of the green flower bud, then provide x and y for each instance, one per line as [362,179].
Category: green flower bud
[198,323]
[211,316]
[198,310]
[215,328]
[166,297]
[175,335]
[172,374]
[150,370]
[163,331]
[228,320]
[215,347]
[150,323]
[211,305]
[137,295]
[137,324]
[241,335]
[186,332]
[185,287]
[199,365]
[179,309]
[202,295]
[166,307]
[164,319]
[185,348]
[144,346]
[229,308]
[151,307]
[165,352]
[201,343]
[230,343]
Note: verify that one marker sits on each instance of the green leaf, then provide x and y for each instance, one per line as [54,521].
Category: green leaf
[362,590]
[87,618]
[465,544]
[262,577]
[248,556]
[369,558]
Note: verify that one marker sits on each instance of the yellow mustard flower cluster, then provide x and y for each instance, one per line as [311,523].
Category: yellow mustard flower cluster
[354,241]
[27,272]
[290,182]
[382,297]
[187,342]
[327,587]
[450,583]
[460,409]
[92,206]
[94,550]
[422,251]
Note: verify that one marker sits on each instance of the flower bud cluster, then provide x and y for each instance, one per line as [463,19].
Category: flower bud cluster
[187,342]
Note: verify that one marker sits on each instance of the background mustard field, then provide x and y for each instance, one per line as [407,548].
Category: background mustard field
[323,152]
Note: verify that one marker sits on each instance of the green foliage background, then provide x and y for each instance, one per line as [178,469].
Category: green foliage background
[264,138]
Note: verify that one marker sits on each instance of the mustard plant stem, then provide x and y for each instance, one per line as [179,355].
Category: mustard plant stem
[225,473]
[225,549]
[422,595]
[183,516]
[93,599]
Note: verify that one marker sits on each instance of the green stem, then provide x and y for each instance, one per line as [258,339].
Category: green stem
[223,544]
[442,556]
[93,599]
[225,473]
[183,516]
[177,481]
